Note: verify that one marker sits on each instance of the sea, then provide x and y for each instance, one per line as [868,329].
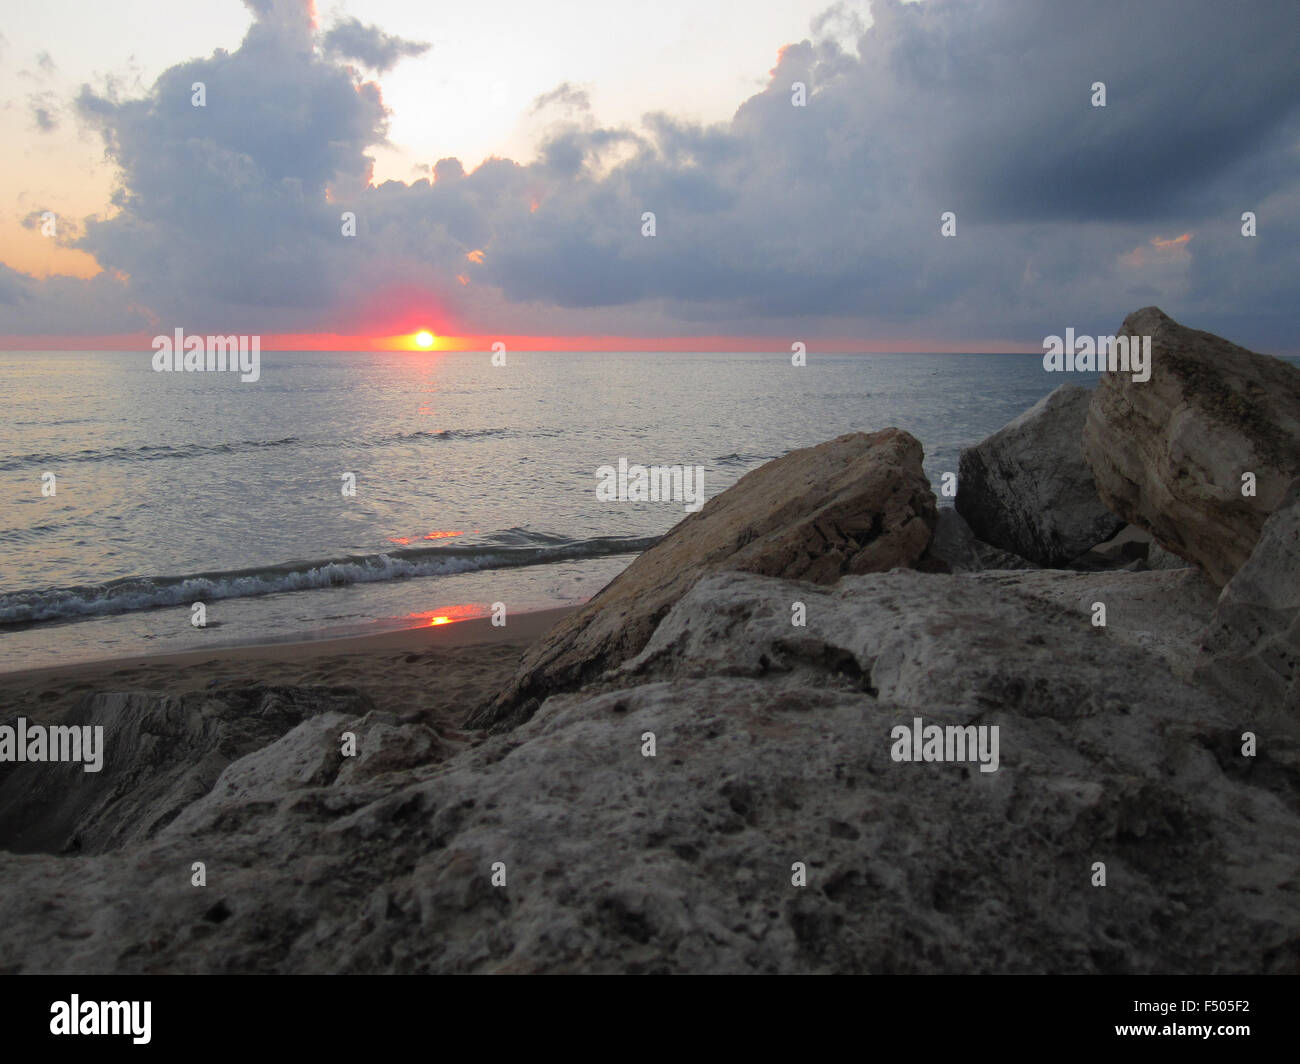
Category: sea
[347,493]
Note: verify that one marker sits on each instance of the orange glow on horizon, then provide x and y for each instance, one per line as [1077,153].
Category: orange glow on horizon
[444,342]
[703,344]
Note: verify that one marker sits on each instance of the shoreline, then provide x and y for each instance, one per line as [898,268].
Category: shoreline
[436,673]
[472,631]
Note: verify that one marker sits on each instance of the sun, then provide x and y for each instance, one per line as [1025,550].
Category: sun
[424,338]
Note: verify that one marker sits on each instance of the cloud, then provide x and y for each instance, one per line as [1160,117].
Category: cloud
[369,45]
[43,112]
[839,22]
[1004,93]
[224,206]
[564,97]
[97,305]
[784,220]
[45,67]
[291,15]
[66,229]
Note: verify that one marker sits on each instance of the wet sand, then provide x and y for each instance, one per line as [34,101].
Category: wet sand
[436,673]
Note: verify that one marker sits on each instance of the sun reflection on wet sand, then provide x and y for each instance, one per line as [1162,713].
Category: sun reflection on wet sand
[403,541]
[461,611]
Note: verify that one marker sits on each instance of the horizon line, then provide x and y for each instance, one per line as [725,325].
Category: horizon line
[68,343]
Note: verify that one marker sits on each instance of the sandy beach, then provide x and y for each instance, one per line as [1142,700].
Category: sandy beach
[433,674]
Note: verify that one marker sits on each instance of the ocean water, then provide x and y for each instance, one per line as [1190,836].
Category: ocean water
[475,483]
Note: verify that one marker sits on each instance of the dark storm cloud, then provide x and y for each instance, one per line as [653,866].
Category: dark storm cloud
[100,304]
[225,204]
[833,209]
[1196,93]
[13,286]
[821,219]
[369,45]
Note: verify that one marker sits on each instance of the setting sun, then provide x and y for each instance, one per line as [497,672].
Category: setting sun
[424,339]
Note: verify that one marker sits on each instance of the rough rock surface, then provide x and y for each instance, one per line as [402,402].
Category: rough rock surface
[856,504]
[1164,612]
[1129,546]
[954,546]
[161,754]
[1159,558]
[772,747]
[1252,645]
[1027,489]
[1168,454]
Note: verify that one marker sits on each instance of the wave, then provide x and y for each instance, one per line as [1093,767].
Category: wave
[743,459]
[157,452]
[450,434]
[146,453]
[511,549]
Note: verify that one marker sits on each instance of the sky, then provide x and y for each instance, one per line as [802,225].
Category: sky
[500,160]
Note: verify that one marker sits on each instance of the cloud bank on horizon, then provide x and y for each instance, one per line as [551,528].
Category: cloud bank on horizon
[821,220]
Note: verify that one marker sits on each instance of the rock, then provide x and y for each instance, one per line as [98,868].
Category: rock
[308,756]
[1149,615]
[956,550]
[994,559]
[1252,644]
[1027,489]
[1169,454]
[1131,548]
[954,544]
[388,746]
[162,753]
[1159,558]
[859,503]
[1130,544]
[773,747]
[1164,612]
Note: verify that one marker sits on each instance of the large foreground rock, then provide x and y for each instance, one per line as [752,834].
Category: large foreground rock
[1252,645]
[772,748]
[857,504]
[1027,489]
[161,754]
[1169,454]
[1164,612]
